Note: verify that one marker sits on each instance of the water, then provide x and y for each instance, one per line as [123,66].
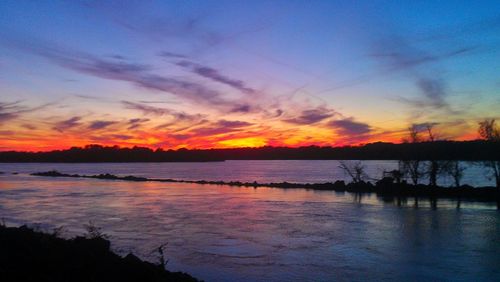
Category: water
[221,233]
[299,171]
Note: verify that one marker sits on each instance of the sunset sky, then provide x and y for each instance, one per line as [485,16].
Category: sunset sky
[206,74]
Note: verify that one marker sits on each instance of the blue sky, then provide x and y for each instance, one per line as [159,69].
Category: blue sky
[244,73]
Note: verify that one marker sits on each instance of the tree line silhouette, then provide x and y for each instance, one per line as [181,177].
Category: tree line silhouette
[477,150]
[434,160]
[432,165]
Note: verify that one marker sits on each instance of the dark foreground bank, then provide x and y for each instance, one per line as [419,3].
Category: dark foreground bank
[386,187]
[28,255]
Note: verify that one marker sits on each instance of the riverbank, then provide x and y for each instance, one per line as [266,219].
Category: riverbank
[384,188]
[476,150]
[29,255]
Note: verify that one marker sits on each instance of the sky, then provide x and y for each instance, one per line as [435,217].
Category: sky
[221,74]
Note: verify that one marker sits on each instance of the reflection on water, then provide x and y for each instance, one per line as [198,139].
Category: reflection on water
[221,233]
[300,171]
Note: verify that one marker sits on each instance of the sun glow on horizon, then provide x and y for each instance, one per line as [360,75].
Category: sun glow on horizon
[244,142]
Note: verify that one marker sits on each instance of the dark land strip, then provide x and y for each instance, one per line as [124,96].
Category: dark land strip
[385,187]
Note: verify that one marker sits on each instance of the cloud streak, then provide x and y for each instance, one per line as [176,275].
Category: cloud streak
[350,127]
[64,125]
[136,123]
[220,127]
[138,74]
[9,111]
[13,110]
[396,55]
[157,111]
[167,54]
[215,75]
[146,109]
[311,116]
[100,124]
[434,89]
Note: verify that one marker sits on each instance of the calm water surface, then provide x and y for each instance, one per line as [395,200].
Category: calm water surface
[221,233]
[300,171]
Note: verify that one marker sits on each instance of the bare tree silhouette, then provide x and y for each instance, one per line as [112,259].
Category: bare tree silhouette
[454,169]
[356,170]
[489,131]
[434,166]
[412,164]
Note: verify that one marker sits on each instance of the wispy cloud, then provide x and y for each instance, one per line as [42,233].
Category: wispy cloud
[110,138]
[9,111]
[13,110]
[146,109]
[28,126]
[100,124]
[67,124]
[121,136]
[420,58]
[135,123]
[167,54]
[397,55]
[312,116]
[130,16]
[220,127]
[216,75]
[177,116]
[122,70]
[434,89]
[350,127]
[232,123]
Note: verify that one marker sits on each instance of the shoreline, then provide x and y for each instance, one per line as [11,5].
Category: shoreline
[383,188]
[27,254]
[473,150]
